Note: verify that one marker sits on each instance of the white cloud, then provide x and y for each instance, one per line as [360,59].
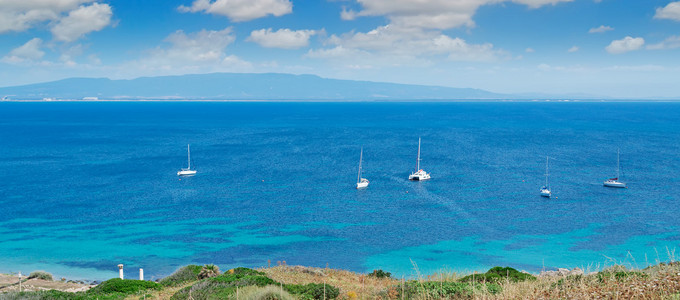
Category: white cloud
[434,14]
[670,11]
[539,3]
[573,49]
[200,51]
[391,45]
[81,21]
[282,38]
[240,10]
[529,50]
[20,15]
[30,51]
[600,29]
[672,42]
[625,45]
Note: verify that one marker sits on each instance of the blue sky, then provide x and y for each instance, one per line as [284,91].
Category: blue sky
[619,48]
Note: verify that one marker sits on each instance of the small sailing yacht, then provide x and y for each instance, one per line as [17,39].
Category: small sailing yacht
[419,174]
[614,182]
[361,182]
[188,171]
[545,190]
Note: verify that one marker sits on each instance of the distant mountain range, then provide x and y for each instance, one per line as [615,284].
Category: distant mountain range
[235,86]
[252,86]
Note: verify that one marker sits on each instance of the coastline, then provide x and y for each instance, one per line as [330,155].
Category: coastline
[658,281]
[355,101]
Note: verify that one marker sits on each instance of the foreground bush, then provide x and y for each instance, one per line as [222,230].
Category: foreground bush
[182,275]
[269,292]
[59,295]
[209,271]
[499,274]
[380,274]
[40,275]
[441,290]
[124,286]
[619,275]
[224,286]
[313,291]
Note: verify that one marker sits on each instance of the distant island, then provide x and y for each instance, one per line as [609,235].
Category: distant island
[235,86]
[253,87]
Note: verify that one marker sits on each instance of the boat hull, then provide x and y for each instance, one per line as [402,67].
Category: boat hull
[419,177]
[614,184]
[186,173]
[546,193]
[362,185]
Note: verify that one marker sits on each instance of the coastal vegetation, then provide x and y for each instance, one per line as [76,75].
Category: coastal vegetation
[661,281]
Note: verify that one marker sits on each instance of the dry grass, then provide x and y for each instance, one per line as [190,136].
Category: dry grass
[658,282]
[352,285]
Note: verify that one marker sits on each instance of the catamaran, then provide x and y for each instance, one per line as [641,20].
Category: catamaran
[614,182]
[188,171]
[361,182]
[419,174]
[545,190]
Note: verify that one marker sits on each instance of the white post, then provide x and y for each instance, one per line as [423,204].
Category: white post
[141,274]
[19,281]
[120,271]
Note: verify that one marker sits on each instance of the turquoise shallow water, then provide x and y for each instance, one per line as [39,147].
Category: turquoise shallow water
[90,185]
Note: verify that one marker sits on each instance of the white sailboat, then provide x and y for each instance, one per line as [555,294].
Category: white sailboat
[545,190]
[361,182]
[614,182]
[188,171]
[419,174]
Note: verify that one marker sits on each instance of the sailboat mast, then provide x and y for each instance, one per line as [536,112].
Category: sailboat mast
[546,171]
[418,160]
[361,157]
[618,163]
[188,157]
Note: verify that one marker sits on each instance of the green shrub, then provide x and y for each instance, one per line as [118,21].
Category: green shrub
[245,271]
[499,274]
[206,289]
[619,275]
[209,271]
[224,286]
[243,280]
[313,291]
[380,274]
[182,275]
[270,292]
[59,295]
[41,275]
[443,289]
[123,286]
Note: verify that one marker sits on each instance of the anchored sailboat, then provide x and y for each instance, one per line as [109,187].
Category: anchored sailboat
[545,190]
[188,171]
[419,174]
[614,182]
[361,182]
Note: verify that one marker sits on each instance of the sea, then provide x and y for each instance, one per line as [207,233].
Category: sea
[85,186]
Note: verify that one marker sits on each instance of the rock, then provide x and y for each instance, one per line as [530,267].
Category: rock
[561,272]
[549,274]
[576,272]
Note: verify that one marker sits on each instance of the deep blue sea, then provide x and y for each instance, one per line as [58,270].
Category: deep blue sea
[86,186]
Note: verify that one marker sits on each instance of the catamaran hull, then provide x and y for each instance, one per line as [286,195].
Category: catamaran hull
[186,173]
[546,194]
[418,178]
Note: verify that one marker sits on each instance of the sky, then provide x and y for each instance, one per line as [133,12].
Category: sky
[615,48]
